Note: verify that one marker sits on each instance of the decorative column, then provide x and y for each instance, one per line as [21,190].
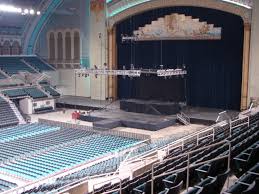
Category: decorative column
[112,62]
[56,45]
[245,71]
[72,34]
[98,39]
[64,45]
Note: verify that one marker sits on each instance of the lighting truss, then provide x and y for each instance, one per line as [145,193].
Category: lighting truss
[170,72]
[129,73]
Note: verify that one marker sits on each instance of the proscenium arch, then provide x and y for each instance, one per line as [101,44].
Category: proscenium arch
[243,12]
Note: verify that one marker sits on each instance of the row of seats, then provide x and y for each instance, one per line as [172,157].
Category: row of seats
[72,147]
[22,92]
[6,185]
[240,139]
[38,63]
[248,183]
[26,130]
[13,64]
[107,166]
[7,115]
[104,167]
[45,138]
[142,179]
[51,91]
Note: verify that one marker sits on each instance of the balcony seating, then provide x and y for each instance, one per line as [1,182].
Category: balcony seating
[13,65]
[38,63]
[51,91]
[7,115]
[33,92]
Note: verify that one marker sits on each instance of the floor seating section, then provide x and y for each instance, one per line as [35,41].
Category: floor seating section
[37,63]
[51,91]
[7,115]
[22,92]
[206,178]
[13,65]
[6,185]
[37,150]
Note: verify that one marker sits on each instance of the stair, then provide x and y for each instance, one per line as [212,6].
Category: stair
[15,109]
[183,118]
[17,113]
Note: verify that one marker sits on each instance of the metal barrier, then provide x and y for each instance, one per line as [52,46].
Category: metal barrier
[188,163]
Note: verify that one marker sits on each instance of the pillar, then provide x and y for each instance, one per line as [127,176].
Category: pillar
[112,62]
[98,38]
[245,69]
[72,34]
[254,56]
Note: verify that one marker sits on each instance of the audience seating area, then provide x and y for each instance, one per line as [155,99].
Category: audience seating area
[6,185]
[48,150]
[38,63]
[33,92]
[7,115]
[51,91]
[13,65]
[204,179]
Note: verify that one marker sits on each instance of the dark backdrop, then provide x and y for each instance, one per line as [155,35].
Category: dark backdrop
[214,66]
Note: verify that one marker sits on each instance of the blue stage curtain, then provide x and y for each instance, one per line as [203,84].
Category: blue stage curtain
[214,66]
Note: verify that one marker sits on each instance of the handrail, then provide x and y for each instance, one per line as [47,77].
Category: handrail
[188,162]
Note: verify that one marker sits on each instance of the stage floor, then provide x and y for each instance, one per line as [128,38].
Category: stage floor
[112,112]
[205,116]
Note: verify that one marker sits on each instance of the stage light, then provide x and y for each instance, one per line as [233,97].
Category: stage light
[32,12]
[26,11]
[9,8]
[38,12]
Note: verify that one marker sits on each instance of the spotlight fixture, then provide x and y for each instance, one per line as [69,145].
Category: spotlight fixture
[13,9]
[32,12]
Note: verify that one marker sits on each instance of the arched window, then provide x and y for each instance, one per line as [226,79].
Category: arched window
[6,50]
[16,50]
[77,45]
[68,46]
[60,46]
[52,46]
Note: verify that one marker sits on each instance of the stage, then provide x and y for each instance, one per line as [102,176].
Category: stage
[108,115]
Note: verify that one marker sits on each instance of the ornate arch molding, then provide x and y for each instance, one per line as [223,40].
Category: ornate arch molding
[244,13]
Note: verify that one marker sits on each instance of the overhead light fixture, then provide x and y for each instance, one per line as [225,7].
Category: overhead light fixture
[32,12]
[10,8]
[26,11]
[13,9]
